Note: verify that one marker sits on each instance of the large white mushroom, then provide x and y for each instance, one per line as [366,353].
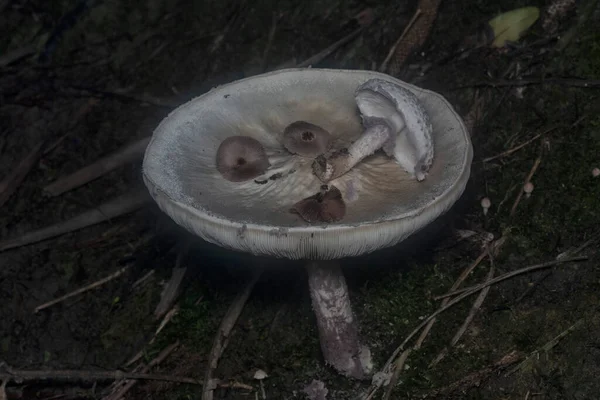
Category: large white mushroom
[236,167]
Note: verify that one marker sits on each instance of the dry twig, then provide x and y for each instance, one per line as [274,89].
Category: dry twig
[129,153]
[9,374]
[545,348]
[222,337]
[173,288]
[323,54]
[512,274]
[415,37]
[384,65]
[534,168]
[111,209]
[462,294]
[476,378]
[128,384]
[82,290]
[10,183]
[474,309]
[510,151]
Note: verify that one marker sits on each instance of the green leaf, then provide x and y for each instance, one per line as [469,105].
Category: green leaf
[509,26]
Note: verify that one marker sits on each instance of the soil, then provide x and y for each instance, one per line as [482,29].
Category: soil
[105,73]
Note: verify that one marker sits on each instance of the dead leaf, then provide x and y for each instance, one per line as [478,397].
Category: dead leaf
[509,26]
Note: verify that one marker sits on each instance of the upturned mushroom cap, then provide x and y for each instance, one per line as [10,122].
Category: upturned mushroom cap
[411,143]
[383,203]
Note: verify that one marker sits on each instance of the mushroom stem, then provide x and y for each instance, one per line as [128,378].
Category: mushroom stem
[342,161]
[338,330]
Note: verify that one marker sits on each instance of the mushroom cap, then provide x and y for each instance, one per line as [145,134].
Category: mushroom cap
[383,203]
[305,139]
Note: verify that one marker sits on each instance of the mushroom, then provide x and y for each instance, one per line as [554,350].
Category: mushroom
[395,121]
[486,203]
[240,158]
[374,205]
[306,139]
[528,189]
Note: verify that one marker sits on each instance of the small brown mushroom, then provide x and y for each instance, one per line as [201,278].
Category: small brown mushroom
[306,139]
[325,206]
[241,158]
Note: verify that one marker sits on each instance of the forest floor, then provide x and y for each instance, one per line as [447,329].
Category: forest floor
[99,75]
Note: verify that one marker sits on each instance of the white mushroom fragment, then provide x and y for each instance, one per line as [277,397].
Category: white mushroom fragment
[395,121]
[193,172]
[596,172]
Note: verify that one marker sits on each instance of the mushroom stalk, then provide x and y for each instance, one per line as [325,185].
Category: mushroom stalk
[340,162]
[338,331]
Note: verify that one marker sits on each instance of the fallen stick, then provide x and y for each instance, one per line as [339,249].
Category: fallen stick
[459,281]
[507,152]
[547,347]
[536,165]
[222,337]
[129,153]
[512,274]
[10,184]
[384,64]
[128,384]
[463,328]
[19,376]
[462,294]
[174,287]
[111,209]
[323,54]
[82,290]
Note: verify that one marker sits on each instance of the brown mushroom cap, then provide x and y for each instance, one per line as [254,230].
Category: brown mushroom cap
[241,158]
[306,139]
[325,206]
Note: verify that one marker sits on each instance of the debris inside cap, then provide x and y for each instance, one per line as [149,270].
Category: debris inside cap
[241,158]
[325,206]
[306,139]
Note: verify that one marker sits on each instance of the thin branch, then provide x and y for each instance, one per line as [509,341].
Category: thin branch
[10,183]
[20,376]
[173,288]
[474,309]
[128,384]
[384,64]
[511,274]
[114,208]
[82,290]
[398,367]
[534,168]
[510,151]
[222,337]
[459,281]
[320,56]
[124,155]
[545,348]
[464,293]
[575,82]
[265,57]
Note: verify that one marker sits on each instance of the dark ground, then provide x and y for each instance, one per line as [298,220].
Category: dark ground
[89,85]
